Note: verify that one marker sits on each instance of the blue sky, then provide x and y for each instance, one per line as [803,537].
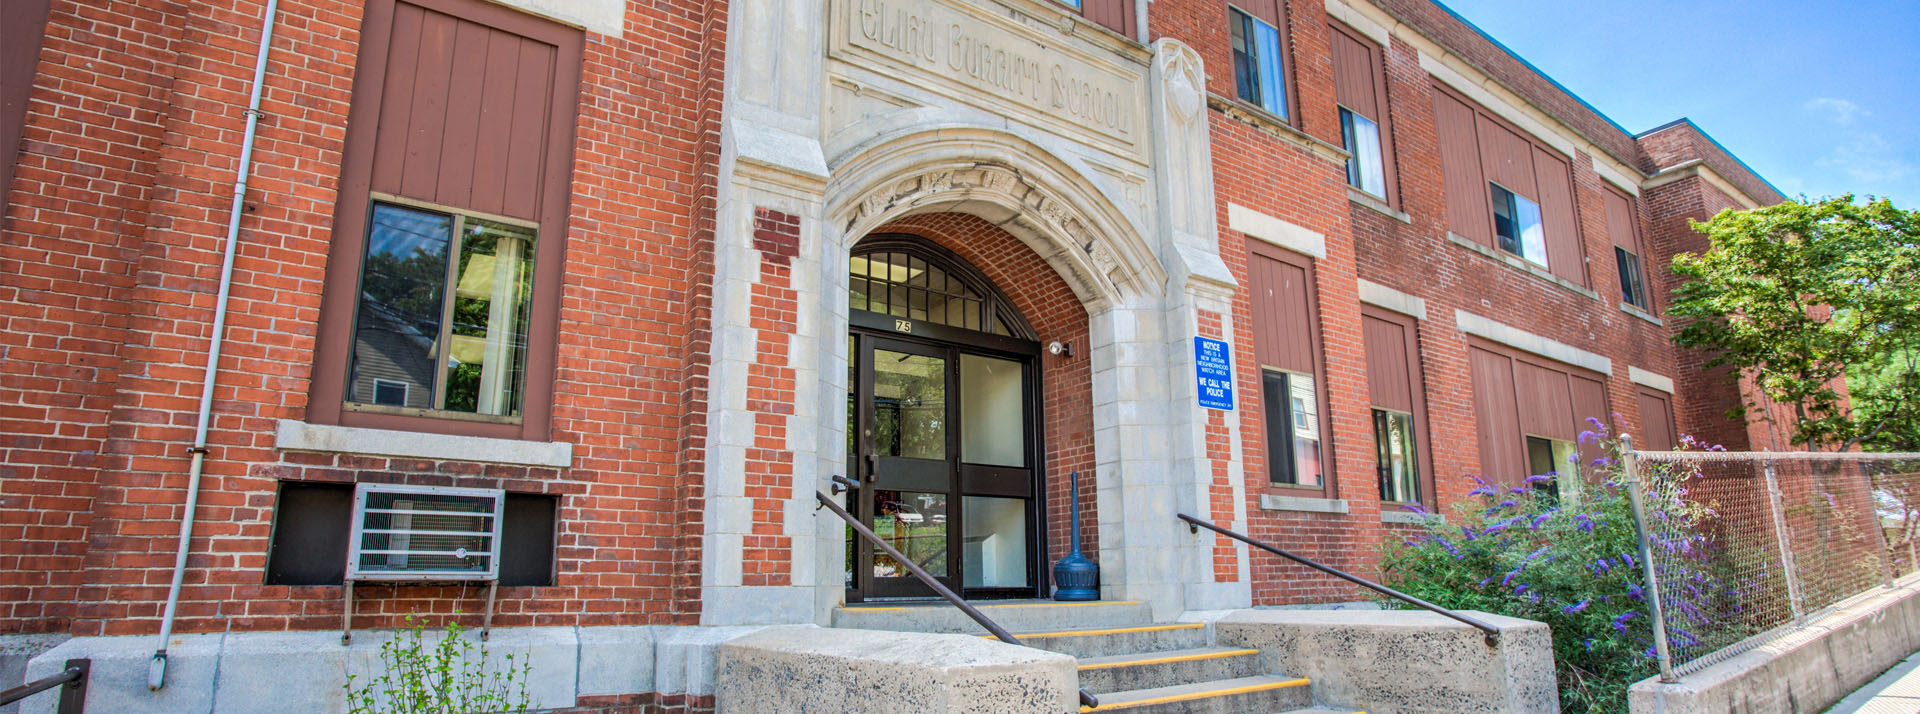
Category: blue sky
[1819,98]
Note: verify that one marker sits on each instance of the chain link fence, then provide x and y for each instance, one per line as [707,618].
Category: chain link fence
[1736,545]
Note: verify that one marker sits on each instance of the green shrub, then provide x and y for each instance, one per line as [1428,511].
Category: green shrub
[448,676]
[1572,563]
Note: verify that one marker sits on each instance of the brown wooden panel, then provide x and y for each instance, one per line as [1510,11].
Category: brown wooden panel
[1589,402]
[1355,73]
[1469,212]
[1656,422]
[1496,416]
[1116,15]
[496,123]
[1546,401]
[1620,223]
[454,186]
[22,25]
[427,126]
[526,153]
[1565,256]
[1389,383]
[1507,157]
[396,103]
[1283,329]
[1268,10]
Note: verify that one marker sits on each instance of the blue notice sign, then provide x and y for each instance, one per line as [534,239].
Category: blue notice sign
[1213,367]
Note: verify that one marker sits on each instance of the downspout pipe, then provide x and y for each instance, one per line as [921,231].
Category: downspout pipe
[157,668]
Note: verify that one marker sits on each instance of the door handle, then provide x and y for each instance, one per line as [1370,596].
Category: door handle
[873,467]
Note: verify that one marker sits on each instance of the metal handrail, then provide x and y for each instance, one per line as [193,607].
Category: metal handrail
[1086,698]
[73,683]
[1492,633]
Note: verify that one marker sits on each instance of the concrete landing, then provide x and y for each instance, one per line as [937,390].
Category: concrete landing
[1015,615]
[1896,692]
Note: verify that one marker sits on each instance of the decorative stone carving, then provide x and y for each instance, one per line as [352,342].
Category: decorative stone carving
[1180,75]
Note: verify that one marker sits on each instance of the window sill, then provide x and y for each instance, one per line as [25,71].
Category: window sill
[1369,200]
[1522,265]
[1265,121]
[1277,502]
[1642,314]
[292,435]
[1392,513]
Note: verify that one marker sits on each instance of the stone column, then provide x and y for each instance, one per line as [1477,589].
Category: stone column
[1199,303]
[758,563]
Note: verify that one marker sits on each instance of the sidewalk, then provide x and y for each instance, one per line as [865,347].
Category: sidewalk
[1896,692]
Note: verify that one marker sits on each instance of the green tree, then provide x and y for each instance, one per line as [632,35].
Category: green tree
[1801,294]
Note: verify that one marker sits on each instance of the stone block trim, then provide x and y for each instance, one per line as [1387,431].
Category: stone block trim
[1219,450]
[767,553]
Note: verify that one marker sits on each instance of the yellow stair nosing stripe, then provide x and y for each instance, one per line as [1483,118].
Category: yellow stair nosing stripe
[1114,631]
[1168,660]
[1190,696]
[903,608]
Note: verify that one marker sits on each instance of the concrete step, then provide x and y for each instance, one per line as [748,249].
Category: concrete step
[1015,615]
[1242,695]
[1161,669]
[1109,641]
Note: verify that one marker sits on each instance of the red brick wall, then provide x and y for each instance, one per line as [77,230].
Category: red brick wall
[116,220]
[1066,383]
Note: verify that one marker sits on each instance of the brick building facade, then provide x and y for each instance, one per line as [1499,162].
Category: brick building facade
[640,323]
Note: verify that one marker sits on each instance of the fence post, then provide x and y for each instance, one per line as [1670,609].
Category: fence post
[1780,539]
[1635,486]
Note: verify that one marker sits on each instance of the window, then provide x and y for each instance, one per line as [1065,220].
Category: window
[1361,137]
[442,294]
[1293,380]
[1559,458]
[1293,429]
[1360,90]
[312,522]
[1632,292]
[1624,230]
[1516,222]
[1506,190]
[1258,67]
[1397,396]
[442,321]
[1399,462]
[1522,400]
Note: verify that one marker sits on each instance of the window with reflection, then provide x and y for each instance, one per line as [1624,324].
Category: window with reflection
[1517,225]
[1293,428]
[1399,464]
[1258,67]
[441,324]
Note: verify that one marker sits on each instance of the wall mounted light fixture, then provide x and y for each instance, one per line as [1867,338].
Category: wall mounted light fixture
[1063,349]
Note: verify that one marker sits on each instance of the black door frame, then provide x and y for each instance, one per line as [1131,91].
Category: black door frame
[873,330]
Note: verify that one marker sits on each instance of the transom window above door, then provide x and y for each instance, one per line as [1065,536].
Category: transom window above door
[909,279]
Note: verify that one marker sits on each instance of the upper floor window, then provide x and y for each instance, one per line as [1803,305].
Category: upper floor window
[442,292]
[1360,89]
[1632,290]
[1624,230]
[1505,189]
[1516,223]
[1259,68]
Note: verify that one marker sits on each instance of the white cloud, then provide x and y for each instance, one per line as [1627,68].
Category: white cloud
[1842,111]
[1868,159]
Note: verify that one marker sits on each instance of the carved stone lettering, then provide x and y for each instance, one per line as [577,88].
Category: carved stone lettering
[1002,59]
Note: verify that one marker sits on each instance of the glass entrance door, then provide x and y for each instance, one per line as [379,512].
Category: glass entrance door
[941,440]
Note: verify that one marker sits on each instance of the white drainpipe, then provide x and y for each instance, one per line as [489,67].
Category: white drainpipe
[157,668]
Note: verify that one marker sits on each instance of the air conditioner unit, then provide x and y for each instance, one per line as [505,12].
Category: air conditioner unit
[425,533]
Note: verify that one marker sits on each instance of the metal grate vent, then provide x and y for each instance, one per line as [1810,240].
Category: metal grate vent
[425,533]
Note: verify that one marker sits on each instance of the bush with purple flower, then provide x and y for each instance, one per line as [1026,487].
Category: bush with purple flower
[1567,557]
